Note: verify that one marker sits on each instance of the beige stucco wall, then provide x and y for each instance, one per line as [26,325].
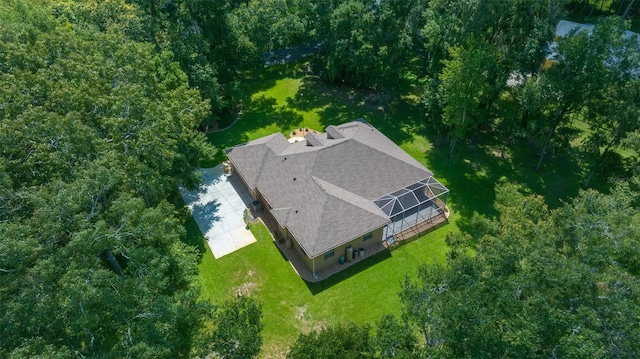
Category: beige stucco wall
[282,233]
[356,243]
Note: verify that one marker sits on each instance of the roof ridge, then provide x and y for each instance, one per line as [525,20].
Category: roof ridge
[322,183]
[263,162]
[413,162]
[319,245]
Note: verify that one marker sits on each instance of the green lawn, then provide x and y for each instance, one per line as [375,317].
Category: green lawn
[282,99]
[362,293]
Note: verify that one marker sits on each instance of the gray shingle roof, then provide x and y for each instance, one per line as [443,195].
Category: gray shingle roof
[322,189]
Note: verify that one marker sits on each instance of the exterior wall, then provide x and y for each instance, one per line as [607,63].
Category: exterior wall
[278,232]
[356,243]
[235,170]
[283,233]
[302,254]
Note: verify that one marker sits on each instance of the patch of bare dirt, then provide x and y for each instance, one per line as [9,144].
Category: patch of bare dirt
[274,351]
[300,312]
[307,325]
[301,132]
[500,154]
[248,287]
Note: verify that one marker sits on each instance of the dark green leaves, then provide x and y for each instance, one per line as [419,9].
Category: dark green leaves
[96,131]
[540,283]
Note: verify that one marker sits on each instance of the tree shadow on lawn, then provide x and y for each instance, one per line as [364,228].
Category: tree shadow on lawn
[260,80]
[310,97]
[394,114]
[193,236]
[260,112]
[475,169]
[353,269]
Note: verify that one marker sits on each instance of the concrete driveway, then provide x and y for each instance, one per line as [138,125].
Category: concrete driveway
[218,209]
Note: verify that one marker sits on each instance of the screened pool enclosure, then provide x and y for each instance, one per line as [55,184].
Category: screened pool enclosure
[413,205]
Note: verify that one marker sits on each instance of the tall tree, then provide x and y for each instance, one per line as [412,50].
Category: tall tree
[540,284]
[579,76]
[348,340]
[392,339]
[235,330]
[616,112]
[274,24]
[463,87]
[367,44]
[96,131]
[515,33]
[208,43]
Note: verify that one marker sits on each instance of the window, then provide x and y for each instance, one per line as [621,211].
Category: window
[329,254]
[367,236]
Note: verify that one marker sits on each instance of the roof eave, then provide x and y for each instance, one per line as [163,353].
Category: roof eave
[347,241]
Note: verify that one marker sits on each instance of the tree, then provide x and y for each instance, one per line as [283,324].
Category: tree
[342,340]
[274,24]
[392,339]
[616,113]
[463,86]
[367,44]
[208,42]
[541,283]
[112,16]
[349,50]
[235,331]
[508,37]
[97,131]
[580,78]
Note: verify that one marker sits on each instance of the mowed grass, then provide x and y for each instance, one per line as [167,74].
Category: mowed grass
[282,99]
[362,294]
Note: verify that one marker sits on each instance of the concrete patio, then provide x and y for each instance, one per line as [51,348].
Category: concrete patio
[218,209]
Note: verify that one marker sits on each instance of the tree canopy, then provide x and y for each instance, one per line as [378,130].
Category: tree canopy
[560,283]
[96,131]
[100,102]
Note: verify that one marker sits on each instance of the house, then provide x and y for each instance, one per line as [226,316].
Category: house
[349,187]
[567,28]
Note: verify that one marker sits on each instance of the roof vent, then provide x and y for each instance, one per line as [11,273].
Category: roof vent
[313,140]
[334,133]
[294,178]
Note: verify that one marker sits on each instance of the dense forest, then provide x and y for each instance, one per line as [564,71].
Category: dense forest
[102,107]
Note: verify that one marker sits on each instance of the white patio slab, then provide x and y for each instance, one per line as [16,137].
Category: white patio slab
[218,209]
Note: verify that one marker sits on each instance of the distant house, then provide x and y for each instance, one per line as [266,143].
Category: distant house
[567,28]
[342,190]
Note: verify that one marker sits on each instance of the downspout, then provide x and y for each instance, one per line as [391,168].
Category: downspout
[313,260]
